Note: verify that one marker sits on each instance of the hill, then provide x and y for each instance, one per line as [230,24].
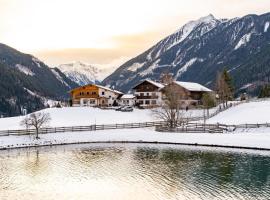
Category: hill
[26,82]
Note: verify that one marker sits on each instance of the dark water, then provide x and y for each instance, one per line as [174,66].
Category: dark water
[133,172]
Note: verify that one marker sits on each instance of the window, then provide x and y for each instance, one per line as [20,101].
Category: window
[147,94]
[147,102]
[87,93]
[140,102]
[82,93]
[92,101]
[110,96]
[103,93]
[153,102]
[154,94]
[94,93]
[127,101]
[141,94]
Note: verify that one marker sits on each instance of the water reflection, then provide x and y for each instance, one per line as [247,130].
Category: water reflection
[133,172]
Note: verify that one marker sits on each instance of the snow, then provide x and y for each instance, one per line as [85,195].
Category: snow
[37,61]
[193,86]
[128,96]
[80,73]
[266,26]
[251,140]
[83,116]
[135,66]
[150,68]
[246,86]
[186,66]
[159,85]
[243,41]
[252,112]
[24,69]
[185,30]
[57,75]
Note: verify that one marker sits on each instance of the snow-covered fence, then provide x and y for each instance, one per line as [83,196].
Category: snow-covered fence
[82,128]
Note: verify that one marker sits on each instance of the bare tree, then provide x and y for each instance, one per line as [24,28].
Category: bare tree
[223,90]
[170,110]
[208,101]
[36,120]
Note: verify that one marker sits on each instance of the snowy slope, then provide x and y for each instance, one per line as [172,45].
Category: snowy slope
[253,112]
[80,73]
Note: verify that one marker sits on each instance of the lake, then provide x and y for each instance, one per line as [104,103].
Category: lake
[133,171]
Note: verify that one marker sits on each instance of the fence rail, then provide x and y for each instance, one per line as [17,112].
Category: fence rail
[82,128]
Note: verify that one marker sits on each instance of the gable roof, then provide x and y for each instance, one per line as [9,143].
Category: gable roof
[99,86]
[194,87]
[158,85]
[107,88]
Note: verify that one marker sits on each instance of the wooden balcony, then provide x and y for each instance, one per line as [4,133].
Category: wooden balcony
[147,97]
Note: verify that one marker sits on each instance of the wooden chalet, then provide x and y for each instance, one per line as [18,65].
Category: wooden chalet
[148,93]
[191,93]
[94,95]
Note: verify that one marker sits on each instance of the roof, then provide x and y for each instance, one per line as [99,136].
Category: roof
[107,88]
[128,96]
[159,85]
[100,86]
[195,87]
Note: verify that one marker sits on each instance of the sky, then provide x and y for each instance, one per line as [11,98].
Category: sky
[104,32]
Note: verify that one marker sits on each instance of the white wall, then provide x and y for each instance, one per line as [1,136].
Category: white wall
[108,94]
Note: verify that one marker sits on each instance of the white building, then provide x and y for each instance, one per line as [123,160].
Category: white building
[127,100]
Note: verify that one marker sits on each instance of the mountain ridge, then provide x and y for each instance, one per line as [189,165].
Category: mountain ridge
[197,51]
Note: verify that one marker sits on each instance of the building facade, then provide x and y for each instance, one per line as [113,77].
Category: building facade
[127,100]
[190,93]
[148,93]
[94,95]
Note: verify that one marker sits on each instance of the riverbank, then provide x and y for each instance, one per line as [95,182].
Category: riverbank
[247,139]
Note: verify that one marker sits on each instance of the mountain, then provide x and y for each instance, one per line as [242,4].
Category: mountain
[27,82]
[201,48]
[81,73]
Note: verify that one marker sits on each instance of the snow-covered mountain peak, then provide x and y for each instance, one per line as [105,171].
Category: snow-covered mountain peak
[80,72]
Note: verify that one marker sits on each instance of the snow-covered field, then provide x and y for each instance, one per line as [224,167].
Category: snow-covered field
[85,116]
[251,113]
[82,116]
[244,139]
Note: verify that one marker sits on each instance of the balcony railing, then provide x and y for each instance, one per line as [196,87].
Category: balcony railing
[147,97]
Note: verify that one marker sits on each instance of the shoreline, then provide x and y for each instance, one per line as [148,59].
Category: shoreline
[259,140]
[138,142]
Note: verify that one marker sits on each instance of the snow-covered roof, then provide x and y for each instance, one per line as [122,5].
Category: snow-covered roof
[193,86]
[107,88]
[159,85]
[100,86]
[128,96]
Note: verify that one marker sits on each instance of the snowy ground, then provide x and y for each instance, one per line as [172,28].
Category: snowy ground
[258,139]
[251,113]
[85,116]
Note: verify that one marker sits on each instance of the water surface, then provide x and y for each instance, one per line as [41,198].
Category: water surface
[129,171]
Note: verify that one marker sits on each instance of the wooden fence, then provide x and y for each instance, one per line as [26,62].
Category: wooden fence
[82,128]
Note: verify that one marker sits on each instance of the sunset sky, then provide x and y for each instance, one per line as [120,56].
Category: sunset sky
[104,32]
